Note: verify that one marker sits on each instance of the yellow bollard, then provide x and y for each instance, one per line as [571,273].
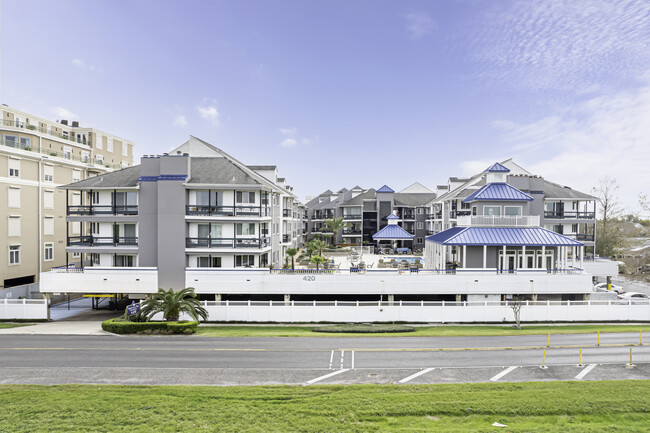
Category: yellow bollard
[598,339]
[548,344]
[630,364]
[543,360]
[580,359]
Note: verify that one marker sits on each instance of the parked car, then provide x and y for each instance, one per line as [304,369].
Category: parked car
[602,287]
[634,297]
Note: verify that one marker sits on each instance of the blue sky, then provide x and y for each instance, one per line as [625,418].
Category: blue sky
[339,93]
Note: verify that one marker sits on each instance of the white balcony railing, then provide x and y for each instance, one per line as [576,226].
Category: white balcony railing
[498,221]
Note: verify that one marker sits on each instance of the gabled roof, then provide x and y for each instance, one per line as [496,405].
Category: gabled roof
[416,188]
[500,236]
[219,171]
[498,192]
[497,168]
[392,217]
[553,190]
[385,188]
[392,232]
[413,199]
[358,200]
[125,178]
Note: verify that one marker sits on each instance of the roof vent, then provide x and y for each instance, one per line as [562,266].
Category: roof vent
[75,124]
[64,122]
[178,152]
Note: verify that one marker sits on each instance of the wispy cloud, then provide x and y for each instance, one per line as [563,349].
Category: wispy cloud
[81,64]
[418,24]
[575,45]
[180,120]
[64,113]
[209,112]
[605,135]
[292,138]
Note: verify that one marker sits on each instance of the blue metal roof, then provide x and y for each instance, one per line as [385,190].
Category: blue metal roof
[498,192]
[499,236]
[392,217]
[385,188]
[392,232]
[497,168]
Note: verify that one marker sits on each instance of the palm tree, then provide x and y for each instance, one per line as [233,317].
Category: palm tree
[172,304]
[291,252]
[335,224]
[318,244]
[318,260]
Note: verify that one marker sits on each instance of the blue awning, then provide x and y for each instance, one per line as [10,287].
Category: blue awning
[392,232]
[499,236]
[498,192]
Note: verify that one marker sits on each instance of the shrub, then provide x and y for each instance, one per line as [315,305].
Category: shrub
[121,326]
[364,328]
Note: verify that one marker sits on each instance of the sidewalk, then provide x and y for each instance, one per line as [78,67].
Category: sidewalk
[58,328]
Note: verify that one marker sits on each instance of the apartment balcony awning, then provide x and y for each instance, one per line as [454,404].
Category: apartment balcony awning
[500,236]
[392,232]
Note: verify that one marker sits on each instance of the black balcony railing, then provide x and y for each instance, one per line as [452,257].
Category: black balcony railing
[205,210]
[351,232]
[584,237]
[99,241]
[227,242]
[569,215]
[352,217]
[94,209]
[408,216]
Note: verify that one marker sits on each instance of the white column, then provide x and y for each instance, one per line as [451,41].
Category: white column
[582,257]
[503,263]
[523,258]
[464,256]
[543,256]
[484,256]
[573,257]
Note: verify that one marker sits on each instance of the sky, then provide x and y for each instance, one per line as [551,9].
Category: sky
[354,92]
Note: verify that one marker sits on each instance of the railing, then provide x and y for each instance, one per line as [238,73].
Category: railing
[401,303]
[570,215]
[102,209]
[98,241]
[351,232]
[408,216]
[580,236]
[498,221]
[191,242]
[30,127]
[430,232]
[205,210]
[352,217]
[58,154]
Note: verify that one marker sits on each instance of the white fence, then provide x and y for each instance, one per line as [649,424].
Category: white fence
[430,312]
[23,309]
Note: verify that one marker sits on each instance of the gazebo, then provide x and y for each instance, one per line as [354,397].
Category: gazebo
[392,233]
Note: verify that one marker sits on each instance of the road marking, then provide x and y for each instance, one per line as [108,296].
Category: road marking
[331,359]
[586,371]
[413,376]
[334,373]
[353,360]
[342,358]
[503,373]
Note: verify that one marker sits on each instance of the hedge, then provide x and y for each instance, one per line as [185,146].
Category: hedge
[364,329]
[121,326]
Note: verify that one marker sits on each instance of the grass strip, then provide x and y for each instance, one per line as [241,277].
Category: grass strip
[536,406]
[420,331]
[13,325]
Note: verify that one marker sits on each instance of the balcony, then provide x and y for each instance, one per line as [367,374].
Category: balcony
[352,217]
[408,216]
[351,232]
[569,215]
[93,209]
[286,213]
[227,211]
[102,241]
[227,242]
[498,221]
[584,237]
[30,127]
[286,238]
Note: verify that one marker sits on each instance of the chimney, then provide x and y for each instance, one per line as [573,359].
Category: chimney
[75,124]
[64,122]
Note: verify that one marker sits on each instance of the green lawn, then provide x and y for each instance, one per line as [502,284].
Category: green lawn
[13,325]
[523,407]
[421,331]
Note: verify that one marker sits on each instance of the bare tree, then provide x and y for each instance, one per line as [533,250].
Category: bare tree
[516,309]
[644,201]
[606,192]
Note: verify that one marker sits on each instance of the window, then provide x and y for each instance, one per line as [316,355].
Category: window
[76,255]
[244,261]
[208,262]
[84,157]
[245,197]
[474,210]
[464,205]
[418,240]
[512,210]
[14,225]
[100,159]
[48,226]
[123,261]
[13,197]
[94,228]
[94,197]
[492,210]
[48,173]
[25,143]
[212,231]
[99,144]
[246,229]
[48,199]
[419,226]
[48,252]
[420,211]
[75,228]
[14,254]
[67,153]
[14,167]
[95,259]
[76,175]
[11,140]
[574,228]
[125,149]
[109,144]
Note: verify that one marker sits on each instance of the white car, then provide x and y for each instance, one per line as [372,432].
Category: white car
[634,297]
[602,287]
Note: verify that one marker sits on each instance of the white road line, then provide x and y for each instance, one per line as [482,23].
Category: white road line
[503,373]
[331,359]
[342,358]
[413,376]
[334,373]
[586,371]
[353,360]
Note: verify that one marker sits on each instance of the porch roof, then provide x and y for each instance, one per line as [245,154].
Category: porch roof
[498,192]
[499,236]
[392,232]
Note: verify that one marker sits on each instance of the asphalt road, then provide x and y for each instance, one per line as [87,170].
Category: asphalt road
[229,361]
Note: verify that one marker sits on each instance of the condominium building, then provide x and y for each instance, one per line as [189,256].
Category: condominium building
[36,156]
[195,207]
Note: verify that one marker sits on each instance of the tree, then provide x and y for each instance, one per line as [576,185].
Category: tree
[318,260]
[516,309]
[291,252]
[172,304]
[318,245]
[336,225]
[608,238]
[644,201]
